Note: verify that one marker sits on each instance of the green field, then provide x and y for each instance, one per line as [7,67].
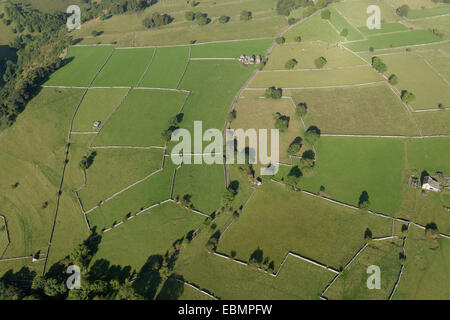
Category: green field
[433,122]
[306,53]
[96,106]
[417,77]
[351,285]
[385,27]
[277,220]
[430,154]
[315,78]
[130,64]
[341,23]
[367,110]
[150,233]
[231,49]
[167,67]
[141,119]
[392,40]
[3,236]
[149,192]
[356,11]
[313,29]
[81,64]
[426,270]
[429,12]
[348,166]
[441,24]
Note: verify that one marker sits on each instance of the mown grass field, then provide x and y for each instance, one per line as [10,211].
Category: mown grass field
[28,150]
[340,23]
[430,207]
[365,110]
[231,49]
[429,12]
[141,119]
[277,220]
[313,29]
[433,122]
[306,53]
[439,60]
[149,192]
[417,77]
[130,64]
[351,285]
[315,78]
[82,63]
[115,169]
[416,4]
[385,27]
[150,233]
[429,154]
[204,183]
[426,271]
[441,24]
[167,67]
[392,40]
[348,166]
[355,11]
[96,106]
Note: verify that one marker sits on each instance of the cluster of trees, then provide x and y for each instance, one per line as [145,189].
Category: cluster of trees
[106,8]
[312,134]
[378,64]
[402,10]
[200,17]
[281,122]
[229,195]
[320,62]
[273,93]
[38,55]
[246,15]
[295,146]
[87,161]
[284,7]
[407,96]
[258,260]
[174,123]
[291,63]
[157,20]
[280,40]
[301,109]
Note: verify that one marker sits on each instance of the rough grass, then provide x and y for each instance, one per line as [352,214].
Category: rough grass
[430,154]
[277,220]
[417,77]
[313,29]
[439,60]
[392,40]
[152,190]
[315,78]
[416,4]
[348,166]
[150,233]
[141,119]
[352,284]
[96,106]
[365,110]
[115,169]
[81,65]
[429,12]
[306,53]
[341,23]
[441,24]
[231,49]
[426,271]
[167,67]
[433,122]
[125,67]
[385,27]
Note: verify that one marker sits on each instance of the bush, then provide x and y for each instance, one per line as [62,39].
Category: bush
[281,122]
[407,97]
[246,15]
[298,39]
[157,20]
[325,14]
[292,21]
[94,33]
[393,79]
[189,16]
[312,135]
[280,40]
[291,63]
[320,62]
[295,146]
[402,10]
[203,19]
[273,93]
[378,64]
[301,109]
[309,11]
[224,19]
[344,32]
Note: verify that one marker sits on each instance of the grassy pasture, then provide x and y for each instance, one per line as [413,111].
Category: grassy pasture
[3,236]
[426,271]
[416,4]
[313,29]
[428,12]
[152,190]
[355,11]
[150,233]
[167,67]
[439,60]
[306,53]
[347,166]
[229,280]
[442,24]
[231,49]
[28,150]
[341,23]
[130,64]
[141,119]
[205,183]
[351,285]
[22,269]
[416,76]
[277,220]
[214,85]
[256,113]
[315,78]
[430,208]
[433,122]
[115,169]
[429,154]
[81,65]
[96,106]
[385,27]
[366,110]
[390,40]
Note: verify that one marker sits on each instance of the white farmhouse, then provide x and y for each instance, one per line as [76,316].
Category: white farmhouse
[430,184]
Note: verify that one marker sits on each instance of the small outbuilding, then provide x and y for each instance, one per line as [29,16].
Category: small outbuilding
[96,124]
[431,185]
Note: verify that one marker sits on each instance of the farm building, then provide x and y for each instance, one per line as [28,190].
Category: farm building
[430,184]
